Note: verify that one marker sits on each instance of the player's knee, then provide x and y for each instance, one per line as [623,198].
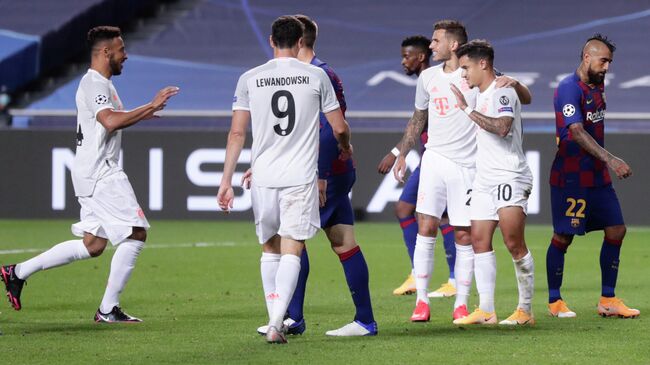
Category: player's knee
[616,233]
[403,210]
[139,234]
[95,250]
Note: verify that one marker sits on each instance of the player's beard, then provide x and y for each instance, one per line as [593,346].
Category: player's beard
[116,67]
[595,77]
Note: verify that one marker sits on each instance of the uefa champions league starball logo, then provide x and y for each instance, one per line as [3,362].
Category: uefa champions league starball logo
[568,110]
[101,99]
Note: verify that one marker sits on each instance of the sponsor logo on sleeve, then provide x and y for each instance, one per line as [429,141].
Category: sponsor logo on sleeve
[101,99]
[568,110]
[234,99]
[504,100]
[505,109]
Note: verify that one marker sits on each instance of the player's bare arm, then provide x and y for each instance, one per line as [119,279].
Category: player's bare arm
[341,130]
[523,93]
[113,120]
[236,139]
[586,141]
[411,134]
[388,161]
[499,126]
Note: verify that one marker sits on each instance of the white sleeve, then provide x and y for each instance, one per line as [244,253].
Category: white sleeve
[503,102]
[241,100]
[98,97]
[421,95]
[328,99]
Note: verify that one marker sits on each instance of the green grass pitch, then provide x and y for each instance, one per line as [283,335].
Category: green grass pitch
[197,287]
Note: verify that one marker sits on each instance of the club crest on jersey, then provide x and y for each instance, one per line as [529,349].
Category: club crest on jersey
[575,222]
[568,110]
[504,100]
[101,99]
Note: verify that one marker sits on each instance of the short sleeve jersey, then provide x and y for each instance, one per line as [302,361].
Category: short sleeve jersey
[329,163]
[451,133]
[577,102]
[500,158]
[284,97]
[97,150]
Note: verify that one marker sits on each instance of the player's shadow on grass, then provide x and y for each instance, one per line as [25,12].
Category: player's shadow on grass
[26,328]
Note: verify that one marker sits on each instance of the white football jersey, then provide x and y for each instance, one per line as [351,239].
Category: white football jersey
[451,132]
[97,150]
[284,97]
[500,158]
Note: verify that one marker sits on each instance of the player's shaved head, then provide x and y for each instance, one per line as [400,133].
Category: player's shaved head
[596,44]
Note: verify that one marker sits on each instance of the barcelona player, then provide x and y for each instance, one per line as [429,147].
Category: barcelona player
[582,196]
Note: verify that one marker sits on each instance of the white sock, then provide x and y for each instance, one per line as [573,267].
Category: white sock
[269,268]
[485,266]
[423,265]
[525,271]
[122,266]
[464,270]
[61,254]
[285,284]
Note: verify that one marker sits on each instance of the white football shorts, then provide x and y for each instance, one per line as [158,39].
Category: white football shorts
[445,184]
[112,211]
[290,212]
[488,199]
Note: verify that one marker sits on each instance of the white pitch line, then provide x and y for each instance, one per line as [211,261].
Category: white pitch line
[146,246]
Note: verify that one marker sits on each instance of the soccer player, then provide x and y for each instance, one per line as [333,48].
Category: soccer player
[109,209]
[283,97]
[415,59]
[501,186]
[335,180]
[582,196]
[447,166]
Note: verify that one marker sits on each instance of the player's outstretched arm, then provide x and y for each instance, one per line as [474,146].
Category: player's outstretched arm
[499,126]
[584,139]
[113,120]
[236,139]
[523,93]
[341,130]
[386,163]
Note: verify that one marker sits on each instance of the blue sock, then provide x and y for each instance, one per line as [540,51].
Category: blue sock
[609,260]
[356,274]
[555,269]
[449,241]
[409,231]
[298,300]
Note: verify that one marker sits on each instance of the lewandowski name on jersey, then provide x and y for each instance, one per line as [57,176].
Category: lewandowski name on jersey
[282,81]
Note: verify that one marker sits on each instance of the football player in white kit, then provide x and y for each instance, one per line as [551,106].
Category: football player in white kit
[109,209]
[448,164]
[283,98]
[501,187]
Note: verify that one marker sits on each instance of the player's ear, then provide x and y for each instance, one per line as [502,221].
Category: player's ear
[271,41]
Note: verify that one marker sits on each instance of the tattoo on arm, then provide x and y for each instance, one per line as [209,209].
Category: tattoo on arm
[413,130]
[500,126]
[587,142]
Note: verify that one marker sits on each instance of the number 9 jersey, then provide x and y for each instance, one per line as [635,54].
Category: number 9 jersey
[284,97]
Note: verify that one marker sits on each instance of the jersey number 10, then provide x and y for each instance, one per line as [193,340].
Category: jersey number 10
[289,112]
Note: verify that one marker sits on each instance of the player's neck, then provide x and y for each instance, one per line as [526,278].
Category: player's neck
[306,55]
[583,75]
[451,64]
[422,67]
[487,81]
[285,52]
[104,71]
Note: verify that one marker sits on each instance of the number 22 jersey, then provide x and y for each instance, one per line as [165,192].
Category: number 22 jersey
[284,97]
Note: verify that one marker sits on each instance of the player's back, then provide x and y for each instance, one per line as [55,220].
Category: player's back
[284,97]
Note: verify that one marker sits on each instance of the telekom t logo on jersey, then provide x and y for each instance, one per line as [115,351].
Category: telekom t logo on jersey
[441,105]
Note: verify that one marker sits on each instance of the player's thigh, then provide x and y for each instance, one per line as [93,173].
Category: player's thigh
[432,189]
[459,193]
[299,213]
[569,210]
[604,210]
[266,211]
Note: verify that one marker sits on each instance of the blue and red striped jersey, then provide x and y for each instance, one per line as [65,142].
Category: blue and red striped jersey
[328,151]
[577,102]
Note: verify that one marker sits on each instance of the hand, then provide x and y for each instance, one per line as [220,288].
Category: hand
[621,169]
[159,101]
[345,154]
[506,81]
[225,197]
[386,163]
[246,179]
[462,104]
[322,192]
[400,169]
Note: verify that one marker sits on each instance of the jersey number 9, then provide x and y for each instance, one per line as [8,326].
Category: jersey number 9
[289,112]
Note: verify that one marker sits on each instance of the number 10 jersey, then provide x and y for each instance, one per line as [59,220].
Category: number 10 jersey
[284,97]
